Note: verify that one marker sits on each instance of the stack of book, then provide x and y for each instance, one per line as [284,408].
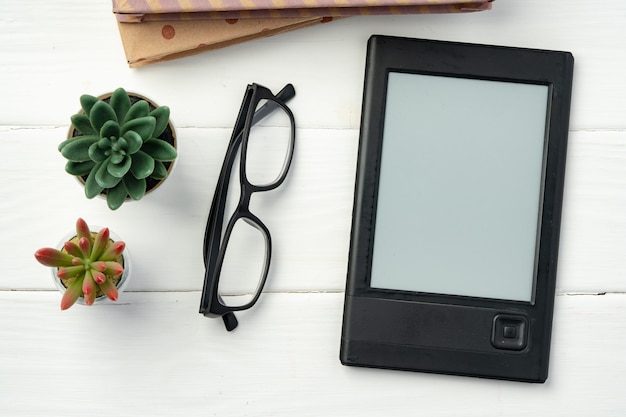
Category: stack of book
[158,30]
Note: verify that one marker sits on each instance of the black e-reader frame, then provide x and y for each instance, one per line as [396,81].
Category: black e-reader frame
[455,233]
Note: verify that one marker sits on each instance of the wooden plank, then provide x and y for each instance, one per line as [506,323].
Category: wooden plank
[325,63]
[309,217]
[152,354]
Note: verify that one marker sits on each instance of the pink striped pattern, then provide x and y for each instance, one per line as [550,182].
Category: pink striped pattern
[147,10]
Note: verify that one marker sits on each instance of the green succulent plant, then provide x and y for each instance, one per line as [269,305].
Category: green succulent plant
[119,147]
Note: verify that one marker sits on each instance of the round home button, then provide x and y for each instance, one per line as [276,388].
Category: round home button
[509,332]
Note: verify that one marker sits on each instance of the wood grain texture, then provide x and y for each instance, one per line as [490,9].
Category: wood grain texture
[152,353]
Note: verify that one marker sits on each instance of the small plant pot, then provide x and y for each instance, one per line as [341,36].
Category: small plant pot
[120,281]
[168,135]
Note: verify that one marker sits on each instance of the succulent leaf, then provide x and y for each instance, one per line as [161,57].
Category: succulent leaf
[85,247]
[87,102]
[105,143]
[53,257]
[82,230]
[109,289]
[104,178]
[137,110]
[143,126]
[101,113]
[122,143]
[136,188]
[99,266]
[79,168]
[119,169]
[92,188]
[81,122]
[72,248]
[117,158]
[65,142]
[142,166]
[72,293]
[160,172]
[97,153]
[77,149]
[133,141]
[116,195]
[111,268]
[113,250]
[89,285]
[159,150]
[90,298]
[162,116]
[67,272]
[110,129]
[120,103]
[98,276]
[100,243]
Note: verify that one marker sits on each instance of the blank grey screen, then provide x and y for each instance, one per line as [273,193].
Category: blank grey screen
[460,186]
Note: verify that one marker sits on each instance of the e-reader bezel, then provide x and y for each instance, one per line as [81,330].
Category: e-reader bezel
[447,333]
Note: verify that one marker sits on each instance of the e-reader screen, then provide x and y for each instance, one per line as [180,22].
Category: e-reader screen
[460,186]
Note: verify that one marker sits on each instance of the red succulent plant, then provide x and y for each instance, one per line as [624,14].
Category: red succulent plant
[89,264]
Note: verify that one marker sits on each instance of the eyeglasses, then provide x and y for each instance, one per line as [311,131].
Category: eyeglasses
[265,131]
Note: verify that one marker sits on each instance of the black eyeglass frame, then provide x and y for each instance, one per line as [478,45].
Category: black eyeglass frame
[211,304]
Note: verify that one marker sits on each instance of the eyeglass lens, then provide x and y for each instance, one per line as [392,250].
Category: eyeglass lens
[268,147]
[244,266]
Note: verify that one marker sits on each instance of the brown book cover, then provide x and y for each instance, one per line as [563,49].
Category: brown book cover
[157,41]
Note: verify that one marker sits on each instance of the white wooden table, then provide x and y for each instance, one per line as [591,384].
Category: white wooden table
[151,353]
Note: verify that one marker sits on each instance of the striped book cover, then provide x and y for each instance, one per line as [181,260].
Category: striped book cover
[129,11]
